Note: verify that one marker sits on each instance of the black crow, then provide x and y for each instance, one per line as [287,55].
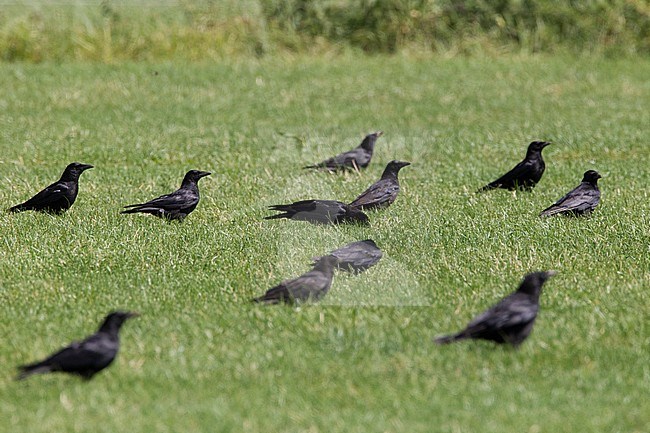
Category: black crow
[178,204]
[357,257]
[84,358]
[58,197]
[311,286]
[509,321]
[357,158]
[382,193]
[580,201]
[320,212]
[526,174]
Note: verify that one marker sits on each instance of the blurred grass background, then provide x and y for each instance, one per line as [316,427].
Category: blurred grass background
[110,31]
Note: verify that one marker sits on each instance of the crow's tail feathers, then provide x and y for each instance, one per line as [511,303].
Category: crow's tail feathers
[274,295]
[17,208]
[286,211]
[278,216]
[446,339]
[264,299]
[323,167]
[134,205]
[27,370]
[280,207]
[552,211]
[135,208]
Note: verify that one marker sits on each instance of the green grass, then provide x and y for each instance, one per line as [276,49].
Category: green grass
[202,358]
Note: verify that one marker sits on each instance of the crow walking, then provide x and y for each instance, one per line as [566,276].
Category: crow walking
[84,358]
[320,212]
[582,200]
[178,204]
[58,197]
[509,321]
[382,193]
[357,257]
[310,286]
[357,158]
[525,175]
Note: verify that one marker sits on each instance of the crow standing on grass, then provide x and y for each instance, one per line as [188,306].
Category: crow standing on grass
[357,257]
[84,358]
[178,204]
[58,197]
[311,286]
[525,175]
[382,193]
[357,158]
[509,321]
[582,200]
[320,212]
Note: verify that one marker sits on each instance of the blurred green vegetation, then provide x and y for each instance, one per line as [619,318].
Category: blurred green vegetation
[110,31]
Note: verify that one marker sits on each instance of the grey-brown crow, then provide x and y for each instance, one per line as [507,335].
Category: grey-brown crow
[87,357]
[358,256]
[357,158]
[509,321]
[382,193]
[311,286]
[582,200]
[320,212]
[178,204]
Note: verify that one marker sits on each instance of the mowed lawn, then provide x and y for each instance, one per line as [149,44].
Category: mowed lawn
[203,358]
